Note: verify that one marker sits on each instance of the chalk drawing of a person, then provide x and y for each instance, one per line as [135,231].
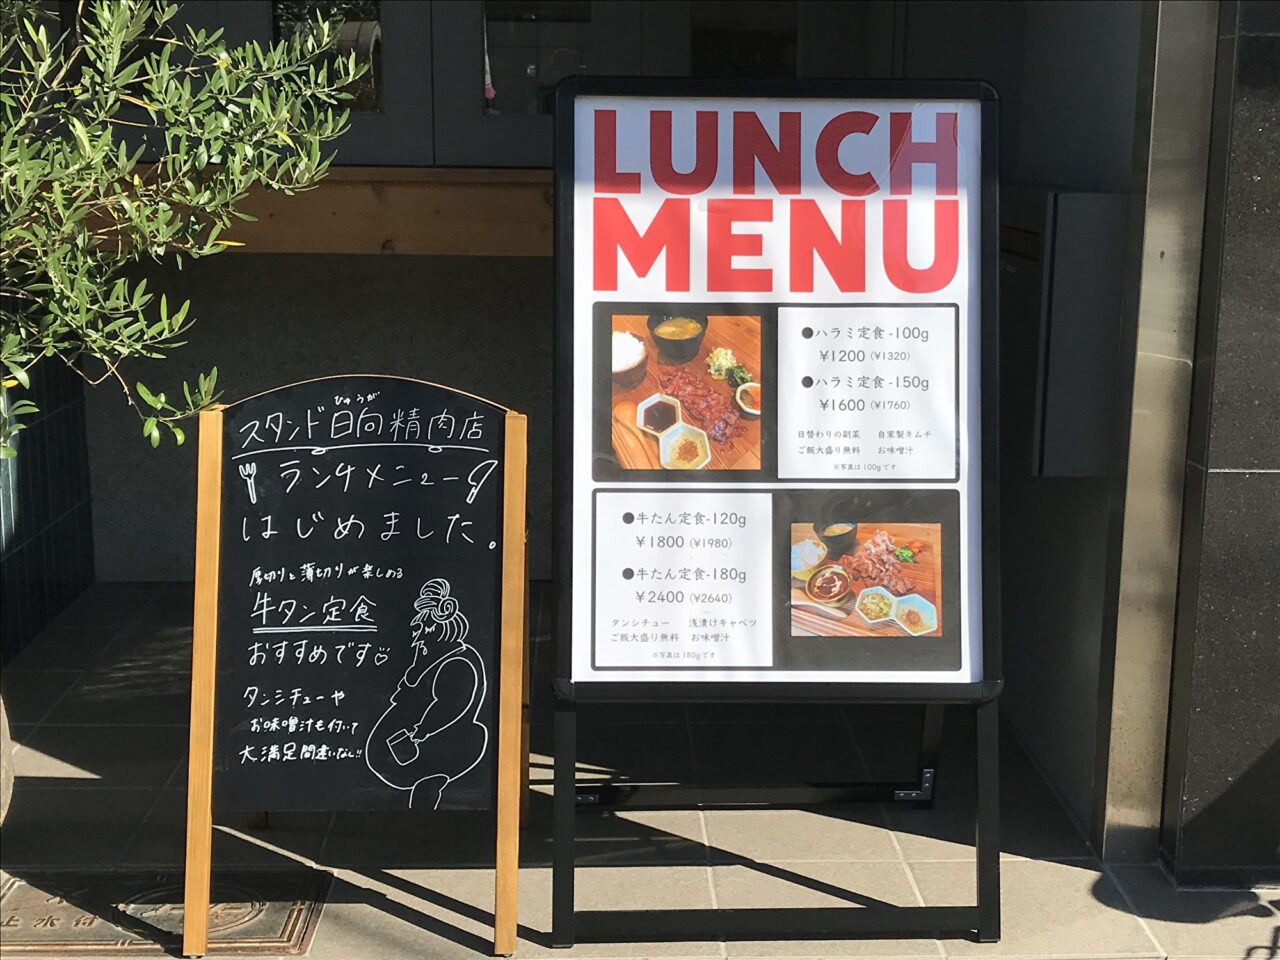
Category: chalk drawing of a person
[431,734]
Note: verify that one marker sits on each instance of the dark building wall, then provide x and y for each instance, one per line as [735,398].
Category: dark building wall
[1076,111]
[46,536]
[1223,780]
[481,324]
[1067,76]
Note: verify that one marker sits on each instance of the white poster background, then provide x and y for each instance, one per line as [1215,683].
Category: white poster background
[869,152]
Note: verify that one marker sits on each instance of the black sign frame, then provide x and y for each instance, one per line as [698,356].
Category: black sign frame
[982,921]
[991,682]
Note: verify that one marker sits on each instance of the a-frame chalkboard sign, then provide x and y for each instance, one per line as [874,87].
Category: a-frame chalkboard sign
[359,613]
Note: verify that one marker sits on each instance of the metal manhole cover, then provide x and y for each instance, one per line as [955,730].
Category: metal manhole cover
[55,913]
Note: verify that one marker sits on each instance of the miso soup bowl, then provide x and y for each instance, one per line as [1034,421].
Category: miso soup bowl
[682,350]
[839,544]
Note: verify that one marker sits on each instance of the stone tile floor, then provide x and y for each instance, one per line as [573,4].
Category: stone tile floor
[98,705]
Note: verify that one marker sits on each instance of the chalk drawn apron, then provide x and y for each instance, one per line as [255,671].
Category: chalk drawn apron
[400,760]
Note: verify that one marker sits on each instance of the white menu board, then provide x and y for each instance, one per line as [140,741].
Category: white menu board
[775,348]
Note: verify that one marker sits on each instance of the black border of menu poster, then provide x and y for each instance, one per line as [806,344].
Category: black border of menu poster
[867,505]
[604,467]
[309,483]
[989,684]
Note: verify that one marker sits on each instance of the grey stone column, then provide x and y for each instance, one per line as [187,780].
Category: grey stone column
[1221,819]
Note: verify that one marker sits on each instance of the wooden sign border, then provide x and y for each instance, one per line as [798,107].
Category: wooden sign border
[204,674]
[513,736]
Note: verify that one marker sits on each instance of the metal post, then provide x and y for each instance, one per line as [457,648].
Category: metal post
[930,745]
[988,821]
[563,826]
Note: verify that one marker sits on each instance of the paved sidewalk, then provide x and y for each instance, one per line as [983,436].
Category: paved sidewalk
[99,704]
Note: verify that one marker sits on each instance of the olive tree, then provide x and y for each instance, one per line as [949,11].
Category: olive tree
[125,138]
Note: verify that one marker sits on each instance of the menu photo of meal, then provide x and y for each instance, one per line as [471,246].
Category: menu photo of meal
[856,579]
[685,391]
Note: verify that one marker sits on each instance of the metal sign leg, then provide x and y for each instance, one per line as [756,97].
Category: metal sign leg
[988,821]
[930,745]
[563,824]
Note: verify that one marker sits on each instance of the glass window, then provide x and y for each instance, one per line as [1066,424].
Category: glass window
[729,38]
[361,31]
[530,46]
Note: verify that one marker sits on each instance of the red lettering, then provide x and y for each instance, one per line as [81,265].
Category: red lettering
[845,256]
[661,162]
[828,153]
[608,179]
[615,232]
[946,247]
[904,151]
[752,144]
[723,244]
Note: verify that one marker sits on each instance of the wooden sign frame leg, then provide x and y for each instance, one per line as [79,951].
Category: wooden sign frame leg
[204,663]
[511,686]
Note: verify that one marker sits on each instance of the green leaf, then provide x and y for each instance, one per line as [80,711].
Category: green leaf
[78,209]
[82,136]
[20,375]
[147,397]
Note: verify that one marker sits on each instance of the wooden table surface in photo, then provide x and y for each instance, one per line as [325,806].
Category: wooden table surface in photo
[924,577]
[637,450]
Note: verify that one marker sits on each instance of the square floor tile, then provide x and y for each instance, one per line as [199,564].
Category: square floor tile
[449,913]
[161,839]
[599,888]
[106,604]
[67,828]
[1050,909]
[134,696]
[155,647]
[67,649]
[367,918]
[29,695]
[1032,824]
[619,837]
[638,751]
[1232,924]
[852,832]
[101,756]
[641,752]
[402,838]
[759,886]
[643,888]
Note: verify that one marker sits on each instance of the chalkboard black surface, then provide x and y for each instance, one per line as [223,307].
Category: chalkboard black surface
[359,598]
